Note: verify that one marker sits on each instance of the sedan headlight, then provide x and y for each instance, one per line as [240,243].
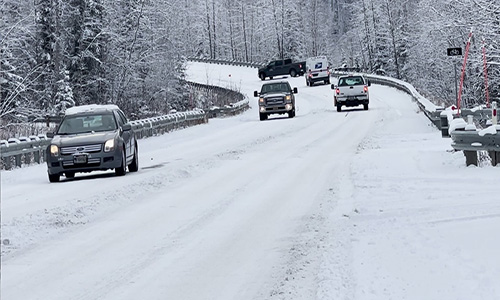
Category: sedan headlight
[54,150]
[109,145]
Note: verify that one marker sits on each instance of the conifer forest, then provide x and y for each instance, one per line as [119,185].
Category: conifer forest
[59,53]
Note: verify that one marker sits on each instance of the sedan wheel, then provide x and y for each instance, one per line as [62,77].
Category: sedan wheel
[123,168]
[134,165]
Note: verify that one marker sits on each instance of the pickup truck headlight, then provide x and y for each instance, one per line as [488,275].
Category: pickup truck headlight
[109,145]
[261,100]
[288,97]
[54,150]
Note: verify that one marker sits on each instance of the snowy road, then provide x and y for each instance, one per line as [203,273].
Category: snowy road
[325,205]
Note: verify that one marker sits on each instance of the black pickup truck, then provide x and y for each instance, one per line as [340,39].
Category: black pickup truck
[282,67]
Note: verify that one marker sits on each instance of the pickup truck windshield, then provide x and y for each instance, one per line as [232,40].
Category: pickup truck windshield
[353,80]
[275,88]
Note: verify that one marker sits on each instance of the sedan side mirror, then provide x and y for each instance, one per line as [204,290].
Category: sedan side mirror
[295,91]
[255,94]
[126,127]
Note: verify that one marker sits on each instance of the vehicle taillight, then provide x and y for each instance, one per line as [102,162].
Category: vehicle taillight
[310,74]
[365,89]
[337,91]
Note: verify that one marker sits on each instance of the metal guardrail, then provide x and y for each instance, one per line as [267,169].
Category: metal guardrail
[227,62]
[467,138]
[23,153]
[26,153]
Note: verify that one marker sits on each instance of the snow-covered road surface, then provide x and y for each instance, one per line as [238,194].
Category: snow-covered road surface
[352,205]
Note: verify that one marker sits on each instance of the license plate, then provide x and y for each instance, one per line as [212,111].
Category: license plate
[80,159]
[351,98]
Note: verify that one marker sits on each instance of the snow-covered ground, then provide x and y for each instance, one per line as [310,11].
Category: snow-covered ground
[352,205]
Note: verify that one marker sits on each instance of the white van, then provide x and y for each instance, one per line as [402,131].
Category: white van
[317,70]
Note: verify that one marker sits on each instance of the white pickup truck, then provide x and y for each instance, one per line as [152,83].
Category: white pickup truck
[351,90]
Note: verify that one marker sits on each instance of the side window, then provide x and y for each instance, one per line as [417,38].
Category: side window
[121,118]
[279,63]
[288,61]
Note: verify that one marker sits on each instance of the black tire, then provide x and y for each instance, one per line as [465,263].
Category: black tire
[263,117]
[339,107]
[293,73]
[69,174]
[365,106]
[134,165]
[120,171]
[54,177]
[291,114]
[262,76]
[271,77]
[307,83]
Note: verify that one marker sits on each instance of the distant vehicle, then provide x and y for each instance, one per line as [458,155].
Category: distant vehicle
[91,138]
[282,67]
[317,70]
[276,98]
[24,139]
[4,143]
[351,90]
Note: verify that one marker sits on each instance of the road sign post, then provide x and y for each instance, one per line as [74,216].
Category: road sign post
[455,52]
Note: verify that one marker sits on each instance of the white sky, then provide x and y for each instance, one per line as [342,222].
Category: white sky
[352,205]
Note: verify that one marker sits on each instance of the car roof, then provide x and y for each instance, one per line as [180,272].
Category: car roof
[91,108]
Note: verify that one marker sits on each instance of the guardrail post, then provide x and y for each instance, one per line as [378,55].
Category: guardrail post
[18,160]
[444,125]
[494,113]
[36,156]
[495,157]
[470,158]
[27,158]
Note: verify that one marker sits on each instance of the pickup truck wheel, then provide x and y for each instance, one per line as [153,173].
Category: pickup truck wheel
[291,114]
[365,106]
[262,76]
[69,174]
[54,177]
[339,107]
[263,117]
[293,73]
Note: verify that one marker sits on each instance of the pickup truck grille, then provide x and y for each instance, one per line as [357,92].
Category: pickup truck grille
[275,101]
[84,149]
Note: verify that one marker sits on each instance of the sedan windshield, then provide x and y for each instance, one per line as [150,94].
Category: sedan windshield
[87,123]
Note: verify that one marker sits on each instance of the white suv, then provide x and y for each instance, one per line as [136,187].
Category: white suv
[317,70]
